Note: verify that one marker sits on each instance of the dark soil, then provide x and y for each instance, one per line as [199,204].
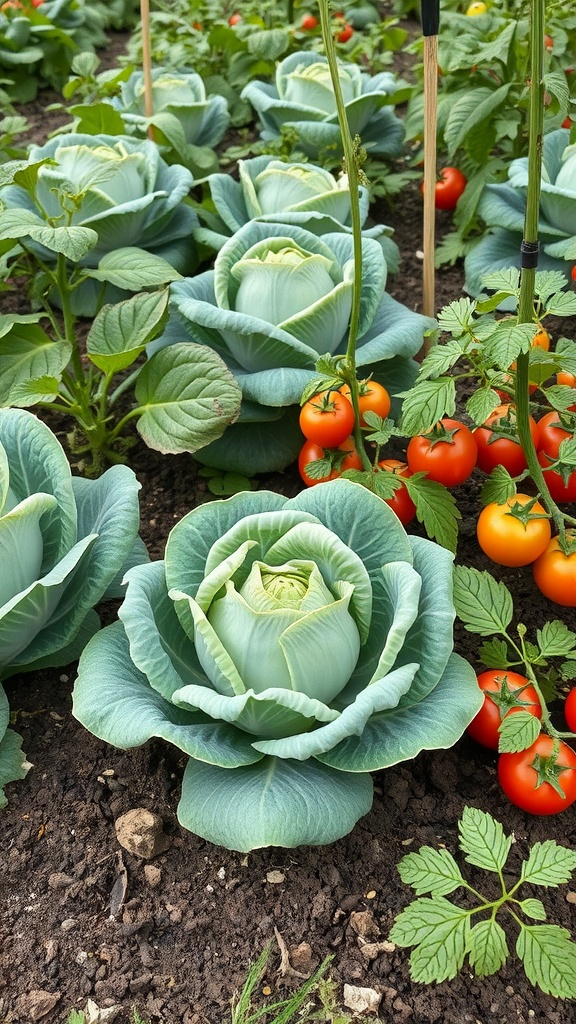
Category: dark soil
[83,919]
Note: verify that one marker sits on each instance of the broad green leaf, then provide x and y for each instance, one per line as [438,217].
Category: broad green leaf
[120,332]
[549,958]
[431,871]
[482,603]
[73,242]
[494,654]
[555,639]
[272,803]
[27,352]
[482,839]
[97,119]
[533,908]
[549,864]
[187,397]
[507,281]
[13,764]
[134,269]
[467,113]
[440,359]
[268,44]
[37,389]
[498,487]
[426,403]
[439,930]
[506,342]
[487,947]
[560,396]
[436,508]
[562,304]
[457,317]
[518,732]
[481,403]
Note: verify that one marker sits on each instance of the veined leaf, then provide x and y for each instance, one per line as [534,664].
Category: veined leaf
[469,111]
[498,487]
[482,839]
[426,403]
[487,947]
[439,930]
[533,908]
[482,603]
[518,732]
[120,332]
[134,269]
[481,403]
[436,508]
[555,639]
[431,871]
[457,316]
[36,389]
[494,654]
[549,864]
[549,958]
[440,359]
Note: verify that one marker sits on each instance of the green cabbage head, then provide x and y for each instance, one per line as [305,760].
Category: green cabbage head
[289,647]
[65,542]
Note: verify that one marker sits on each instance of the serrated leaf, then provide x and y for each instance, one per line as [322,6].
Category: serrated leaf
[494,654]
[533,908]
[469,111]
[507,280]
[440,932]
[426,403]
[518,731]
[457,316]
[37,389]
[121,331]
[549,958]
[562,304]
[498,487]
[507,341]
[481,404]
[482,603]
[549,864]
[431,871]
[487,947]
[436,508]
[440,359]
[555,639]
[482,839]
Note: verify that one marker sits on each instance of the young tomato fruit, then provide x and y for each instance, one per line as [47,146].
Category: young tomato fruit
[372,397]
[499,444]
[532,781]
[400,502]
[447,453]
[507,539]
[505,692]
[346,33]
[555,572]
[311,452]
[327,419]
[449,188]
[570,710]
[309,23]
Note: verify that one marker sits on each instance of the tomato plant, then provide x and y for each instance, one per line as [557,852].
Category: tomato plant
[538,782]
[570,710]
[342,456]
[327,419]
[449,188]
[400,502]
[498,442]
[508,534]
[447,453]
[309,23]
[372,397]
[504,693]
[554,571]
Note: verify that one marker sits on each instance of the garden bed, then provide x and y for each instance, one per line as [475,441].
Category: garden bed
[174,934]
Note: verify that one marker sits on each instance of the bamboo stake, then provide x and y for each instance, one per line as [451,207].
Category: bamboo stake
[147,62]
[430,22]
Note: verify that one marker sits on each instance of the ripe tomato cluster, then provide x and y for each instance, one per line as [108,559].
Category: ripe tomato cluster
[542,778]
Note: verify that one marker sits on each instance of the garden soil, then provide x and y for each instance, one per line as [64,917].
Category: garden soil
[172,934]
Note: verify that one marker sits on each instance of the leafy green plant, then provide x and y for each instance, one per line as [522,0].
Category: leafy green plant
[444,933]
[65,543]
[340,604]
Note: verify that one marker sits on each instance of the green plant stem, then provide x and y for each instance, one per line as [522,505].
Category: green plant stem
[69,319]
[351,168]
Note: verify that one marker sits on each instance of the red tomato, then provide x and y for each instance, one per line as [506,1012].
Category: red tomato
[548,42]
[506,539]
[234,18]
[400,502]
[372,397]
[524,777]
[449,188]
[309,23]
[327,419]
[570,710]
[499,444]
[555,573]
[511,692]
[311,451]
[559,490]
[574,272]
[346,33]
[447,453]
[551,433]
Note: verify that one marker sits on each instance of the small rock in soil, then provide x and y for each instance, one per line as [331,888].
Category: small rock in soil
[140,832]
[361,1000]
[36,1004]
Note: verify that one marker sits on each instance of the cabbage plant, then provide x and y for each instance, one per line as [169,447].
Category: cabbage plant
[187,123]
[278,298]
[503,208]
[116,187]
[290,193]
[289,647]
[302,99]
[65,542]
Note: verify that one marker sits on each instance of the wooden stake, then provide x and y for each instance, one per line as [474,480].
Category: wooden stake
[147,62]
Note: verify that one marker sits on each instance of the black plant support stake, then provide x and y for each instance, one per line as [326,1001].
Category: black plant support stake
[430,15]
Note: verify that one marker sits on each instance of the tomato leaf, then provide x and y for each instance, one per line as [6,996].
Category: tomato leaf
[440,359]
[481,403]
[487,947]
[498,487]
[555,639]
[533,908]
[439,930]
[457,316]
[518,732]
[494,654]
[431,871]
[482,603]
[549,864]
[435,508]
[549,958]
[426,403]
[482,839]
